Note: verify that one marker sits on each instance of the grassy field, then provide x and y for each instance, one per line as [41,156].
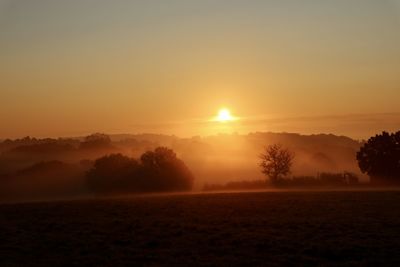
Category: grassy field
[253,229]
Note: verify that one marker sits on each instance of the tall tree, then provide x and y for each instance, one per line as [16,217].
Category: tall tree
[379,157]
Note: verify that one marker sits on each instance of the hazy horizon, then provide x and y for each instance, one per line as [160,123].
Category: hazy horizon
[367,125]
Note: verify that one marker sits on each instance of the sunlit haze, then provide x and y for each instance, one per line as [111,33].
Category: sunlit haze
[70,68]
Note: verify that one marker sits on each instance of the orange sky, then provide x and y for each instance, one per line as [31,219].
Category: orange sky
[75,67]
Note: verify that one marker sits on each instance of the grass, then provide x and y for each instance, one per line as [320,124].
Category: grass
[352,228]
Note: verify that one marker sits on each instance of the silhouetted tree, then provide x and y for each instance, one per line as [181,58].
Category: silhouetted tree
[379,157]
[112,173]
[157,171]
[276,162]
[167,171]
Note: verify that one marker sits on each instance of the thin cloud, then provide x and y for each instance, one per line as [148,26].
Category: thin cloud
[359,126]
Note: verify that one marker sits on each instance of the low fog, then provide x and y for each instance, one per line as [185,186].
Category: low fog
[38,168]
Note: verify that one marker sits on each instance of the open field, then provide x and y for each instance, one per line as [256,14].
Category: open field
[260,228]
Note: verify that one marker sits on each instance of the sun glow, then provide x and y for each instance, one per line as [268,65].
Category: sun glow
[224,115]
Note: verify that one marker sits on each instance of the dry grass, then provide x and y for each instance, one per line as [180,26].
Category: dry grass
[254,229]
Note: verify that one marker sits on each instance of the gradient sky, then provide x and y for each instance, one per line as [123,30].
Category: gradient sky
[74,67]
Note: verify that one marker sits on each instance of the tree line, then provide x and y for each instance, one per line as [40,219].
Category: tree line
[108,170]
[379,158]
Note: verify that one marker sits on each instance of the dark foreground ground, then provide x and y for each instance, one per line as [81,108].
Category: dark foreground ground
[253,229]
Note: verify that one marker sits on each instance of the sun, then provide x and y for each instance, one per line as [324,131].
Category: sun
[224,115]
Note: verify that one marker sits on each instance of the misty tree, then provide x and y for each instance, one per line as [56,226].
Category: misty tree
[112,173]
[170,172]
[379,157]
[156,171]
[276,162]
[96,141]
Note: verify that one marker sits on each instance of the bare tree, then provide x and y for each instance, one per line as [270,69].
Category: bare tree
[276,162]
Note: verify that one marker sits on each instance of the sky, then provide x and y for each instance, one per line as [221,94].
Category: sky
[70,68]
